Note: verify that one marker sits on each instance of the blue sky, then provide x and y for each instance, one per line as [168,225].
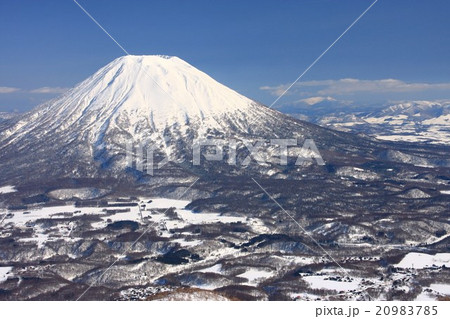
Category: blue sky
[254,47]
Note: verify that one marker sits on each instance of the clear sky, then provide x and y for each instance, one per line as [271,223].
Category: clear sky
[254,46]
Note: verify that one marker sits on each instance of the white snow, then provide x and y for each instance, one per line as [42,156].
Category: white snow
[20,219]
[166,203]
[421,260]
[443,289]
[215,269]
[4,271]
[445,192]
[425,296]
[375,120]
[415,193]
[324,282]
[207,218]
[160,220]
[184,243]
[7,189]
[434,239]
[356,172]
[187,216]
[433,291]
[254,276]
[441,120]
[133,215]
[413,121]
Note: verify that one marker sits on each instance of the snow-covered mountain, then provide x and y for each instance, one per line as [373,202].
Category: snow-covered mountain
[157,100]
[422,109]
[413,121]
[137,95]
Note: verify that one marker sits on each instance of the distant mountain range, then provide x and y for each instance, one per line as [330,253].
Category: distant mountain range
[411,121]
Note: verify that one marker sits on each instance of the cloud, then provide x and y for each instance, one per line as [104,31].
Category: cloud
[42,90]
[6,89]
[352,86]
[49,90]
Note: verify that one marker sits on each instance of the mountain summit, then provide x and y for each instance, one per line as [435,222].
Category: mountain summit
[152,91]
